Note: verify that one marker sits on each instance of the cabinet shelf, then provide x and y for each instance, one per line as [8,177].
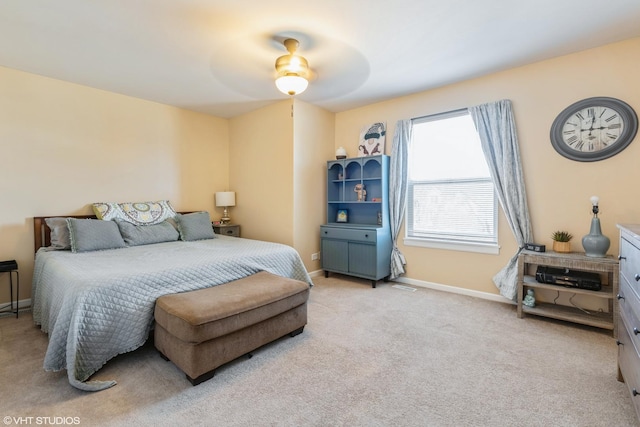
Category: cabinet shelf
[354,202]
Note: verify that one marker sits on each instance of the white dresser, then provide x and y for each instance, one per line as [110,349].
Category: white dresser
[629,311]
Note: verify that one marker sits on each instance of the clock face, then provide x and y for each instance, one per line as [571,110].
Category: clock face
[594,129]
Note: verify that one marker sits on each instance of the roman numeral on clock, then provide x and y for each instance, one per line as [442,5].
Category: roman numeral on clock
[608,119]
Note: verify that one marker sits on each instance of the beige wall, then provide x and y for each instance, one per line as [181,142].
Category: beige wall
[313,146]
[261,171]
[558,189]
[277,169]
[65,146]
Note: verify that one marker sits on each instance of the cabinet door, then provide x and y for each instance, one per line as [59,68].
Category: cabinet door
[335,255]
[362,259]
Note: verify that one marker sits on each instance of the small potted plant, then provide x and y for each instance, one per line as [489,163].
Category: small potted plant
[561,241]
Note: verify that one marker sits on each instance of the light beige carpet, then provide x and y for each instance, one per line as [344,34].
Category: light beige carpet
[368,357]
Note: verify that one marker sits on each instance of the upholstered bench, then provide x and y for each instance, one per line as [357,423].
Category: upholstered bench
[204,329]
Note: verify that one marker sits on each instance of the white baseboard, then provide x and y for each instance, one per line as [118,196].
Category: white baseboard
[316,273]
[23,305]
[453,289]
[440,287]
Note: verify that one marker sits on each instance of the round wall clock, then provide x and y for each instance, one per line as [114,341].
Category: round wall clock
[594,129]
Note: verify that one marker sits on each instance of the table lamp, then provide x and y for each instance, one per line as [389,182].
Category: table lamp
[225,199]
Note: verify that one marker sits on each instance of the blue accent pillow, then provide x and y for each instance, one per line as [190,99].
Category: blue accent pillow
[135,235]
[93,235]
[195,226]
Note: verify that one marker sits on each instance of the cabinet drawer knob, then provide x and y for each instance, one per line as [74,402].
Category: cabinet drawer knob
[620,257]
[619,296]
[366,235]
[634,392]
[637,277]
[618,342]
[636,331]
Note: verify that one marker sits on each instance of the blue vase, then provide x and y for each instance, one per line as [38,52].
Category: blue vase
[595,244]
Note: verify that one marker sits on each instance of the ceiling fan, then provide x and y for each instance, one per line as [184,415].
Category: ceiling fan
[249,65]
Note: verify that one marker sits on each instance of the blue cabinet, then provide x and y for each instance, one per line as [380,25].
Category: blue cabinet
[356,240]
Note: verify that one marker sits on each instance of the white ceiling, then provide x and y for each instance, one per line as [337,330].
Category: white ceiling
[217,56]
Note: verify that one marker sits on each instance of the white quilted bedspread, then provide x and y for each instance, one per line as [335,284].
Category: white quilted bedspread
[96,305]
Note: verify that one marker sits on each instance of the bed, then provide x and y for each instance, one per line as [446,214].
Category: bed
[97,304]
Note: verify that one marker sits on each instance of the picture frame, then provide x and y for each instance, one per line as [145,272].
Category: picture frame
[372,139]
[342,215]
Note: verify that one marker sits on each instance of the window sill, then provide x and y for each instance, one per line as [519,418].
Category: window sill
[484,248]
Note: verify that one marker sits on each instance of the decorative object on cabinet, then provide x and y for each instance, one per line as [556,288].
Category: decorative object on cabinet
[361,192]
[341,153]
[361,247]
[561,241]
[608,266]
[372,140]
[594,129]
[595,244]
[629,308]
[225,199]
[232,230]
[11,267]
[343,215]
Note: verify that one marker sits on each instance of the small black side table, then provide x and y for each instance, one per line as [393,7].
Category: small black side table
[11,267]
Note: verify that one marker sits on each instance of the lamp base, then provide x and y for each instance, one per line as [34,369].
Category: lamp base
[225,217]
[595,244]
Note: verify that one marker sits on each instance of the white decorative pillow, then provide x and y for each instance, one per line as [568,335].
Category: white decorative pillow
[138,213]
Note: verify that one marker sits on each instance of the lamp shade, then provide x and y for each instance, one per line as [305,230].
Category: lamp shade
[225,198]
[291,84]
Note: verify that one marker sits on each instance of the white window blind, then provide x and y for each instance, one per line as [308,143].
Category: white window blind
[451,198]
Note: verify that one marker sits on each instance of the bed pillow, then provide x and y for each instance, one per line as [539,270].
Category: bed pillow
[59,233]
[135,235]
[93,235]
[195,226]
[138,213]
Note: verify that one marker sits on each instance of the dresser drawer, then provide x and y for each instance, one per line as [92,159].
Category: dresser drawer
[630,264]
[629,319]
[629,305]
[353,235]
[629,364]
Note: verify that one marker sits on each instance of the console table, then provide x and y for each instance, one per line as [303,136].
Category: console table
[573,261]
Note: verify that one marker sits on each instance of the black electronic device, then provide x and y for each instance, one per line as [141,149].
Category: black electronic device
[8,266]
[534,247]
[569,278]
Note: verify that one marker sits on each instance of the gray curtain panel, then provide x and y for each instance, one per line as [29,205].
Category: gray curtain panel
[398,190]
[496,126]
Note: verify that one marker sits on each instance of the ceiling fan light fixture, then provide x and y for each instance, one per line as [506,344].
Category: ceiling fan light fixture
[292,70]
[291,84]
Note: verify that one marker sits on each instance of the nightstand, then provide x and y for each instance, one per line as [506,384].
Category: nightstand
[232,230]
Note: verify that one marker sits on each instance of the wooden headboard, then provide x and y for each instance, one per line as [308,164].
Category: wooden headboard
[42,232]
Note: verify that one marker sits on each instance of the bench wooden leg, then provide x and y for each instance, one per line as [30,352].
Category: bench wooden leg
[204,377]
[296,332]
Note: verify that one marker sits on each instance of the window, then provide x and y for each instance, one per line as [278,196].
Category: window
[451,202]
